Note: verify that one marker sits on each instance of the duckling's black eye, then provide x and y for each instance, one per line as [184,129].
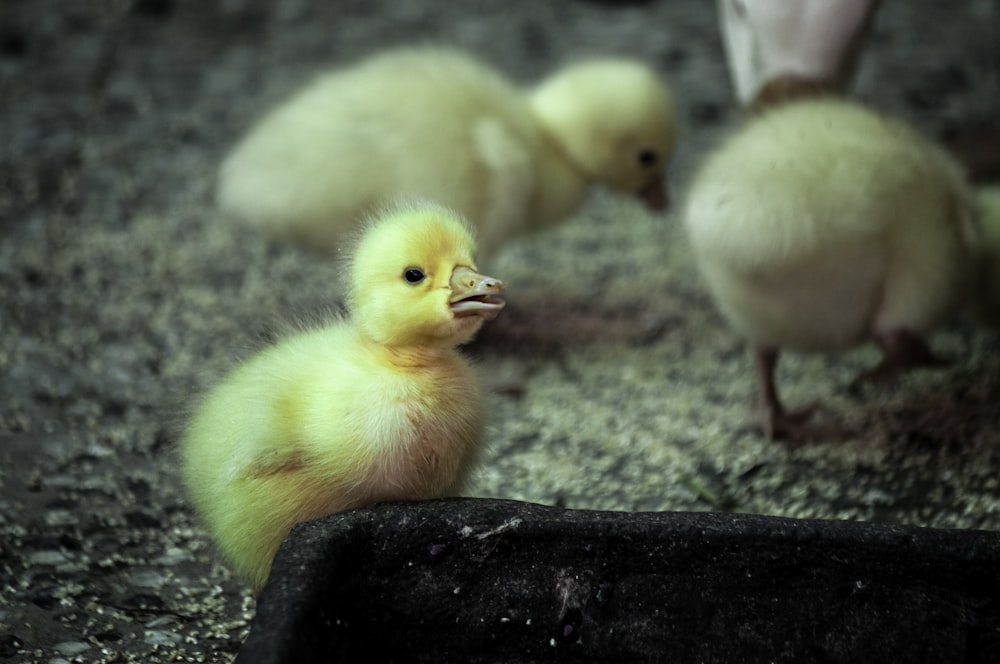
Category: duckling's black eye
[647,158]
[413,275]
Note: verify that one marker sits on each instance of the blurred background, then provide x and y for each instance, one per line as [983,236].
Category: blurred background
[124,294]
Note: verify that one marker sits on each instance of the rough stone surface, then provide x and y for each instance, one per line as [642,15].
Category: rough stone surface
[472,580]
[123,295]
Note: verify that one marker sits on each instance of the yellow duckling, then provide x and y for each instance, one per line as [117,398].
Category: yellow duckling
[820,225]
[436,123]
[381,407]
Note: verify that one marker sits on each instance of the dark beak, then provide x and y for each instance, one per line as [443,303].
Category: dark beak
[654,194]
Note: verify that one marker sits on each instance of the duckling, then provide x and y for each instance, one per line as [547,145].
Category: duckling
[436,123]
[820,225]
[377,407]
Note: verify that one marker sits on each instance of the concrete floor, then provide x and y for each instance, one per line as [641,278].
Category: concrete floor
[123,294]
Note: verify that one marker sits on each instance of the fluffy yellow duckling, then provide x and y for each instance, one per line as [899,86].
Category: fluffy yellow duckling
[436,123]
[381,407]
[820,225]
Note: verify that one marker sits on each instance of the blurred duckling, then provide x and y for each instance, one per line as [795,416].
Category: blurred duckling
[436,123]
[820,225]
[378,407]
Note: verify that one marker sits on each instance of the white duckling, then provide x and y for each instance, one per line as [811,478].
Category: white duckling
[438,124]
[379,407]
[820,225]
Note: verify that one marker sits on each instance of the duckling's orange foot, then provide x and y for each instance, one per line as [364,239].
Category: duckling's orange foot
[798,427]
[902,351]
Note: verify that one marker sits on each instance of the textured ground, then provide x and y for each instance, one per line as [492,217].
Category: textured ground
[123,294]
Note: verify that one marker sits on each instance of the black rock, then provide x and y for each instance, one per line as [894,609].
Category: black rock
[478,580]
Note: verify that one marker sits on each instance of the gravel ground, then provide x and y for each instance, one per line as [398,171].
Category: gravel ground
[123,294]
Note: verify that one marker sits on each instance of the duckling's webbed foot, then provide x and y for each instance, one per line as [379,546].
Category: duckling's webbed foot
[795,426]
[901,350]
[778,423]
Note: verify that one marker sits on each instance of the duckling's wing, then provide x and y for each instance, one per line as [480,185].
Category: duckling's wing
[270,461]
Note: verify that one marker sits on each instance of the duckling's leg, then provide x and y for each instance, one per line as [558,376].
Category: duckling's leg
[778,422]
[901,350]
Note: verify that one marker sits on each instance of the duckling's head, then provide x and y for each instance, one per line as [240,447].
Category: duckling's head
[614,118]
[414,281]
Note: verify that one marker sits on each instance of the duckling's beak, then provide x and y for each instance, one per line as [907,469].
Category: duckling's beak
[472,294]
[654,194]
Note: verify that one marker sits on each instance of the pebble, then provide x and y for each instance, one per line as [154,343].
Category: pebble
[148,579]
[48,558]
[61,518]
[159,637]
[71,648]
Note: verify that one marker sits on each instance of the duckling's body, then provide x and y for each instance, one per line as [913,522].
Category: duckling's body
[438,124]
[381,407]
[821,225]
